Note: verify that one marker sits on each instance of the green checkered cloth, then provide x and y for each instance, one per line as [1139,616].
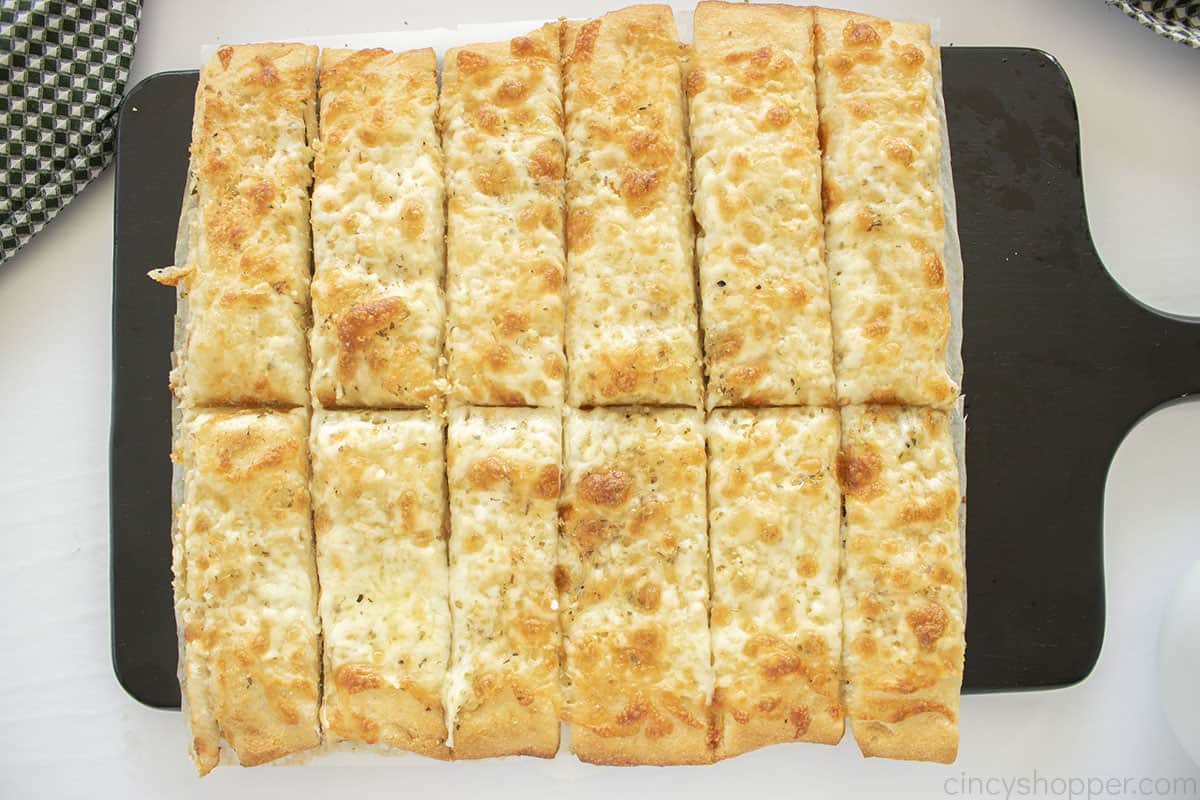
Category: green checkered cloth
[63,67]
[1175,19]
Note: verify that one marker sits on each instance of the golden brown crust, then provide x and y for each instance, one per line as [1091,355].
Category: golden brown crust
[633,587]
[759,732]
[928,736]
[362,707]
[251,163]
[501,123]
[632,329]
[377,302]
[509,724]
[902,584]
[903,31]
[684,745]
[250,630]
[878,84]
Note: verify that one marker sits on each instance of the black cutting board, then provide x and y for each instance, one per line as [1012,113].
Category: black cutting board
[1060,363]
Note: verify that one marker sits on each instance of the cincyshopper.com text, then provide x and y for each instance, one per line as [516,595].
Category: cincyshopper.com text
[1069,787]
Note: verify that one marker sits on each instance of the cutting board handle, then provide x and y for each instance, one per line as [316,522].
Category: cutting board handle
[1173,357]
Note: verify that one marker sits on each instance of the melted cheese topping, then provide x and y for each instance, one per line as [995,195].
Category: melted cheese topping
[877,85]
[248,283]
[380,515]
[248,600]
[503,469]
[632,330]
[633,586]
[774,527]
[377,220]
[501,120]
[902,586]
[763,284]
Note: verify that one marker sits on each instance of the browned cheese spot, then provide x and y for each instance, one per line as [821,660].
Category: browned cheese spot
[859,472]
[487,119]
[643,649]
[513,322]
[935,276]
[585,42]
[770,533]
[932,511]
[495,179]
[928,624]
[648,597]
[744,376]
[524,47]
[860,34]
[359,323]
[864,646]
[800,718]
[486,472]
[511,91]
[911,56]
[646,147]
[779,116]
[861,109]
[588,534]
[840,63]
[546,162]
[497,356]
[355,678]
[412,218]
[552,276]
[878,325]
[546,485]
[726,347]
[579,229]
[899,151]
[638,187]
[267,74]
[721,615]
[610,488]
[261,196]
[469,61]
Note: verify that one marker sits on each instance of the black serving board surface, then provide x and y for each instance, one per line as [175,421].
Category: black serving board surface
[1060,363]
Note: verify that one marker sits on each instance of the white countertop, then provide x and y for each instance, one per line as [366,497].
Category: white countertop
[68,730]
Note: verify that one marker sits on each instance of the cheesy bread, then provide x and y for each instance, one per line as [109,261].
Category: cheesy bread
[501,695]
[246,585]
[379,510]
[378,222]
[760,243]
[877,91]
[633,586]
[632,331]
[902,583]
[247,278]
[774,512]
[502,131]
